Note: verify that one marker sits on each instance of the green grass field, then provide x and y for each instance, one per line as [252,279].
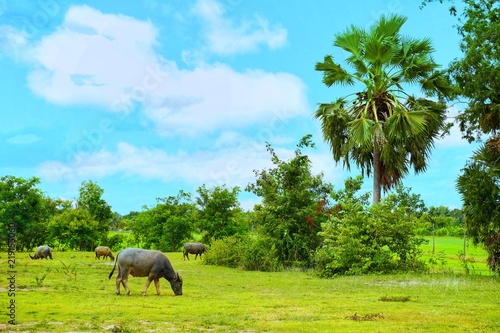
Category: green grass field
[72,293]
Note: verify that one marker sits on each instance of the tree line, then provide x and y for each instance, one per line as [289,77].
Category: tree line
[302,221]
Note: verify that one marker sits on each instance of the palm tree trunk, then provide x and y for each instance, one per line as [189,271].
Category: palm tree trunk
[377,174]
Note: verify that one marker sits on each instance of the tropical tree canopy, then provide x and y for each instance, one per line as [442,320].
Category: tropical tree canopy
[381,127]
[476,78]
[476,73]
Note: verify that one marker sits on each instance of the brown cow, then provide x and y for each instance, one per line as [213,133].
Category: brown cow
[103,251]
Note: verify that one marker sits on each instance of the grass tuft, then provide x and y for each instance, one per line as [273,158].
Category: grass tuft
[367,317]
[394,298]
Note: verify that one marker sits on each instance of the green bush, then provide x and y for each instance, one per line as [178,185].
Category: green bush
[441,232]
[361,240]
[258,254]
[224,252]
[456,231]
[119,241]
[248,252]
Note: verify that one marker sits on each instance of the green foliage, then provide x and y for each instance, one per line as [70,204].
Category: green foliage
[251,252]
[359,239]
[479,186]
[476,78]
[219,213]
[258,255]
[441,221]
[23,205]
[225,252]
[294,204]
[91,200]
[383,129]
[166,226]
[476,73]
[69,270]
[118,241]
[76,229]
[39,279]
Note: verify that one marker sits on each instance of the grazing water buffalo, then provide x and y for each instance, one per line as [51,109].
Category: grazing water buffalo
[42,252]
[103,251]
[194,248]
[150,263]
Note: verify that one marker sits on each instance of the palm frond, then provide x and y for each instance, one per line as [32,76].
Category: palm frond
[334,125]
[378,51]
[388,26]
[360,132]
[350,40]
[437,83]
[333,73]
[394,165]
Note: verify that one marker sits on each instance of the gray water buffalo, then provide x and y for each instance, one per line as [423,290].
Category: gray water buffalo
[150,263]
[103,251]
[42,252]
[194,248]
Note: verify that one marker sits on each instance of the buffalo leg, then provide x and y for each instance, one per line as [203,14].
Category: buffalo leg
[123,279]
[148,282]
[157,285]
[118,281]
[125,285]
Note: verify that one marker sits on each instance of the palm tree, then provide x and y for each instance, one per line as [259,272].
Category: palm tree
[382,128]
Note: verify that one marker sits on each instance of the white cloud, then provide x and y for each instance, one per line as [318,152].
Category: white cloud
[232,166]
[110,60]
[218,97]
[225,37]
[232,163]
[93,58]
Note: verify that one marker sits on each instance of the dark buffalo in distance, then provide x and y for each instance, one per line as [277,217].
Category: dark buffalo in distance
[194,248]
[150,263]
[42,252]
[103,251]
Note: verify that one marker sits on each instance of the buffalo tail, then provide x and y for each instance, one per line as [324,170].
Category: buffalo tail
[111,274]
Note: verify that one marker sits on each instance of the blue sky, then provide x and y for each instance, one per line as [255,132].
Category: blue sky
[146,98]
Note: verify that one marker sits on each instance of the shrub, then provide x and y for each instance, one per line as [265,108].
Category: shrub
[118,241]
[376,239]
[224,252]
[441,232]
[258,254]
[248,252]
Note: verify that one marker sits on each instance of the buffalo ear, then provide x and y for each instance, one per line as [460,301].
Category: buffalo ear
[177,277]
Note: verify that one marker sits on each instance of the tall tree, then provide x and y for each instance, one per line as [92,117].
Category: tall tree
[91,200]
[22,204]
[477,73]
[219,212]
[294,204]
[167,225]
[479,186]
[476,76]
[75,229]
[381,127]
